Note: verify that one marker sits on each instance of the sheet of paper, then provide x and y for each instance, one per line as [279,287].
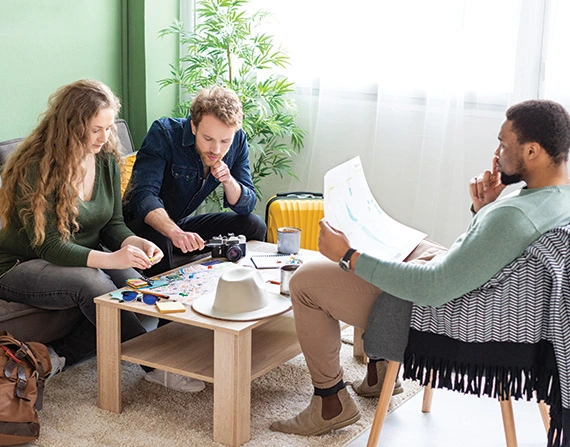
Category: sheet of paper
[351,208]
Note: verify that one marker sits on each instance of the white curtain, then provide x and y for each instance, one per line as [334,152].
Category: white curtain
[417,89]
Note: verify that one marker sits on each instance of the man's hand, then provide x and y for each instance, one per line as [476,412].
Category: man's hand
[184,240]
[486,187]
[221,171]
[232,189]
[187,241]
[332,243]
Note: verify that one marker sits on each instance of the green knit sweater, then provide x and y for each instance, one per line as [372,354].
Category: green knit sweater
[497,235]
[100,221]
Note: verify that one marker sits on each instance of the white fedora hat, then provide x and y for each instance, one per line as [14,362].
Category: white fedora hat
[241,296]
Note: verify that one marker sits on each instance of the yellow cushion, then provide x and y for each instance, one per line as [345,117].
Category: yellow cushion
[127,171]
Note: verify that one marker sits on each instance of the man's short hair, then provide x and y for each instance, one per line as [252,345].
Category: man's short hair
[544,122]
[220,102]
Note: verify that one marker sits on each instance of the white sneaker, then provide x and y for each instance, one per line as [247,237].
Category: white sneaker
[174,381]
[57,362]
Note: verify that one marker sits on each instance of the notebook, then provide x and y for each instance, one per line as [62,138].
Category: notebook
[170,307]
[270,261]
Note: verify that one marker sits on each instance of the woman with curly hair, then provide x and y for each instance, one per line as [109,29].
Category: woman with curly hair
[60,204]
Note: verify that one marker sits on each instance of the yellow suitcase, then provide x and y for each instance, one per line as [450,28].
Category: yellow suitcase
[302,210]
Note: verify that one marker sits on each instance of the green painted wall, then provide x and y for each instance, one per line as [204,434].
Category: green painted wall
[134,72]
[160,53]
[47,44]
[148,62]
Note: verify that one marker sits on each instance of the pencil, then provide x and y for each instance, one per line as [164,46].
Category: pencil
[150,292]
[147,280]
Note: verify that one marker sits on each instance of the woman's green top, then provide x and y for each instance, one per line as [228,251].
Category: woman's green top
[100,224]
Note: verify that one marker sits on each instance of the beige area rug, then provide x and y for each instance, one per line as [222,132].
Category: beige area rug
[154,417]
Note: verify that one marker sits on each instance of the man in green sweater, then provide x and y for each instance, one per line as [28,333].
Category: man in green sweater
[533,147]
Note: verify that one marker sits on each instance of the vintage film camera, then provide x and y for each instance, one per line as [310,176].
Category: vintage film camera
[230,246]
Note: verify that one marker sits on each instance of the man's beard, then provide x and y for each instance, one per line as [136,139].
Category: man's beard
[204,156]
[510,179]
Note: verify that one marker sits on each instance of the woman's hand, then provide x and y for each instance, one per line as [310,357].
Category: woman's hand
[127,256]
[153,253]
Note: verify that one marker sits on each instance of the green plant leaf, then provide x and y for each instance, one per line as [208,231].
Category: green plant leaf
[226,47]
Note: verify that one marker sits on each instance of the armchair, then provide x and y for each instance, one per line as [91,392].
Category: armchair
[508,338]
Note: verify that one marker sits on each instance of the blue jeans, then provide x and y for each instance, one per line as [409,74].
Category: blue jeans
[39,283]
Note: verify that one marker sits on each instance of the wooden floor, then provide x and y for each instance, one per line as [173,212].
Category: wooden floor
[457,420]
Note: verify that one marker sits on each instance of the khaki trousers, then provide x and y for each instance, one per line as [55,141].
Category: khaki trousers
[322,295]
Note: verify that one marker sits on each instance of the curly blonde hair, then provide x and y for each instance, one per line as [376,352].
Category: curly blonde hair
[42,173]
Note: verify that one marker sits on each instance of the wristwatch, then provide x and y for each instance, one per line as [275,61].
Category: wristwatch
[344,263]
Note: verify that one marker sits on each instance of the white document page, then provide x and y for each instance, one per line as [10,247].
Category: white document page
[351,208]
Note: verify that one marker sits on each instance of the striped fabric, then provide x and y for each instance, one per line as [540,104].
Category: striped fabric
[528,302]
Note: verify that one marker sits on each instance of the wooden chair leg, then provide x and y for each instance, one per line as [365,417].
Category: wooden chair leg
[508,422]
[428,396]
[383,403]
[545,414]
[358,346]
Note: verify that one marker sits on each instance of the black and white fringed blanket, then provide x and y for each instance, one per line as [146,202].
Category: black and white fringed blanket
[509,337]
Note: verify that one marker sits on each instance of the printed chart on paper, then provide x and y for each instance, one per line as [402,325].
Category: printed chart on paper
[193,281]
[197,280]
[351,208]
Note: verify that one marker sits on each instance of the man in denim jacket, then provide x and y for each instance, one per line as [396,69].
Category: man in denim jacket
[181,161]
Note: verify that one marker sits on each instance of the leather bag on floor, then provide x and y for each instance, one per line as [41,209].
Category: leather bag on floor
[23,370]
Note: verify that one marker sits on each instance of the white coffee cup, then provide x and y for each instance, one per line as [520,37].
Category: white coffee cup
[288,240]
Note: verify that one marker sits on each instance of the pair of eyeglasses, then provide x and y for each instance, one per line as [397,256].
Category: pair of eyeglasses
[146,298]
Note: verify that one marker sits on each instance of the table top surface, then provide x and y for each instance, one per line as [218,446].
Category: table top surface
[195,319]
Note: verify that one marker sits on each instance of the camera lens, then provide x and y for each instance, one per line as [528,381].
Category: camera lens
[234,253]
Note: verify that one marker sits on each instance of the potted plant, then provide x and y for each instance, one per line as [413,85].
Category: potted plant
[227,48]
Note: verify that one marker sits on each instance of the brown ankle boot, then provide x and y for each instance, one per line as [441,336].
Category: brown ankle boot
[363,389]
[310,421]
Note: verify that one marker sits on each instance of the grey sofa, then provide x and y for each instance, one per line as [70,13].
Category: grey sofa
[32,324]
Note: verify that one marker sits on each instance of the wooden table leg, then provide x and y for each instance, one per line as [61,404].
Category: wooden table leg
[109,358]
[232,387]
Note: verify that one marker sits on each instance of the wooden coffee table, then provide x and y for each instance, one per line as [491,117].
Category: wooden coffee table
[228,354]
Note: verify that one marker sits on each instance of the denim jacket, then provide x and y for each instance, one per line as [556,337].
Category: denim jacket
[168,173]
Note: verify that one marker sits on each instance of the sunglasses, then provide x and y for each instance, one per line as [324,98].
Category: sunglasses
[146,297]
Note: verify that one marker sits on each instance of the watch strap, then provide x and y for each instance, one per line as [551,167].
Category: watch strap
[345,261]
